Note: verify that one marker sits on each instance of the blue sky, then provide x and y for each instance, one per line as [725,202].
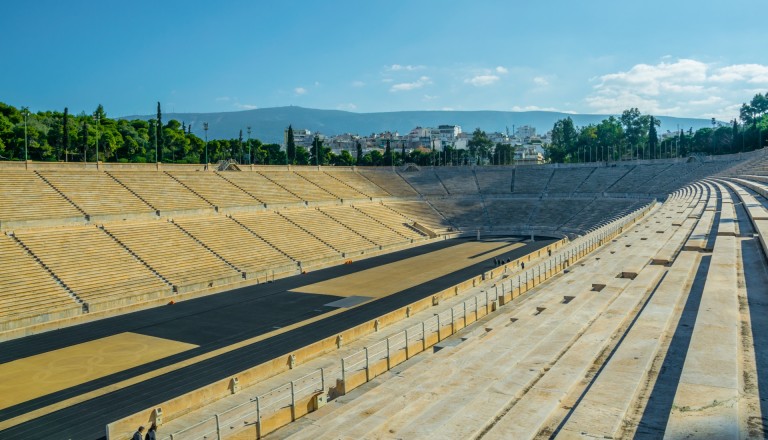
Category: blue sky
[676,57]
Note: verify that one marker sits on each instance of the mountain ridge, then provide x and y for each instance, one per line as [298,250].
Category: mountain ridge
[268,124]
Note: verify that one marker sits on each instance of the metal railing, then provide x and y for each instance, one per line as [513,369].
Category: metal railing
[285,396]
[252,412]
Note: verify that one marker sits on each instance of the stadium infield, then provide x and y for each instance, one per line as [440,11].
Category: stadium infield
[231,331]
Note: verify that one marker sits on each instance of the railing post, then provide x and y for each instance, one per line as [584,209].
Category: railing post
[423,336]
[465,314]
[293,402]
[343,372]
[218,427]
[389,360]
[406,344]
[476,306]
[322,379]
[258,418]
[367,365]
[453,322]
[487,306]
[438,327]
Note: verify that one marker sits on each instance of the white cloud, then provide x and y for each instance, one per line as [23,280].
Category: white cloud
[540,81]
[683,87]
[419,83]
[246,106]
[300,90]
[501,69]
[749,73]
[533,108]
[482,80]
[400,67]
[430,97]
[358,84]
[348,106]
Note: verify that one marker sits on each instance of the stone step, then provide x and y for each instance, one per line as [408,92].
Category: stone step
[539,404]
[602,411]
[706,400]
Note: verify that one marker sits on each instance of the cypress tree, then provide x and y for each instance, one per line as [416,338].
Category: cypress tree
[402,153]
[653,137]
[359,153]
[65,133]
[388,155]
[290,146]
[159,134]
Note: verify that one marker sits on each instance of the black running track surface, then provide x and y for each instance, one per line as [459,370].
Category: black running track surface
[211,322]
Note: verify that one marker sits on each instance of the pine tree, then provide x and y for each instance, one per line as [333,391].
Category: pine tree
[65,133]
[290,146]
[402,153]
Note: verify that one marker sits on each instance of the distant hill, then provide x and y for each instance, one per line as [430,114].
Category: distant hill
[267,124]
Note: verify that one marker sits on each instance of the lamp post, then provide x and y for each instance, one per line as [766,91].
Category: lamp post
[26,115]
[205,128]
[249,145]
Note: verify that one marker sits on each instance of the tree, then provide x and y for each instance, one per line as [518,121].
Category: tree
[152,139]
[359,149]
[85,140]
[633,129]
[609,138]
[587,144]
[503,154]
[480,145]
[290,146]
[388,155]
[653,137]
[302,156]
[65,133]
[160,141]
[344,159]
[563,140]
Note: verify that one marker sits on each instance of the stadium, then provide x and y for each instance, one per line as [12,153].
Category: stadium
[596,300]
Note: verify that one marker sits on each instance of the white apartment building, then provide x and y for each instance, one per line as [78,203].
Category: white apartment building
[525,131]
[301,137]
